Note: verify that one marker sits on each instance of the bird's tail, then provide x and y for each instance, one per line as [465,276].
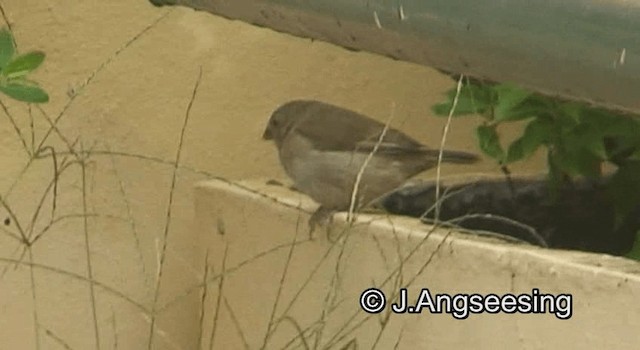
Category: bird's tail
[458,157]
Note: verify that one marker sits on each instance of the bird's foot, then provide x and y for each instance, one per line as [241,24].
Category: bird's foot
[322,216]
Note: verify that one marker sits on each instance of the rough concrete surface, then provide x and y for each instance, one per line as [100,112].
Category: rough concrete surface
[321,280]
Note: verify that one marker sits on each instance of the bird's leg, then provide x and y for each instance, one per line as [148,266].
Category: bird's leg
[322,216]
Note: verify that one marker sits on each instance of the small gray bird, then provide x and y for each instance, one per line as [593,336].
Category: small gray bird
[323,147]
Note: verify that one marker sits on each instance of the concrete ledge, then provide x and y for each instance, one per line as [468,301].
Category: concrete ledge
[278,279]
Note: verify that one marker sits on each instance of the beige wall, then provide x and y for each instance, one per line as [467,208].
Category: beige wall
[323,280]
[127,122]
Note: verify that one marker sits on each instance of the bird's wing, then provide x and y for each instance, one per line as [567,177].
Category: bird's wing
[332,128]
[390,144]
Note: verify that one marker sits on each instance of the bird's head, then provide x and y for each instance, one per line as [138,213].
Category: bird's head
[283,120]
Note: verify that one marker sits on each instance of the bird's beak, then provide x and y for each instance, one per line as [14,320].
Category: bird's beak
[267,134]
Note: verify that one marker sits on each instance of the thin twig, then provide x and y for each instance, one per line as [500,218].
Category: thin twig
[33,130]
[53,184]
[115,329]
[337,338]
[310,276]
[14,218]
[78,277]
[230,270]
[281,286]
[203,299]
[20,176]
[9,26]
[236,323]
[87,246]
[11,234]
[169,206]
[34,299]
[346,331]
[329,301]
[57,339]
[131,220]
[53,126]
[356,185]
[95,73]
[15,127]
[216,316]
[443,140]
[299,330]
[55,221]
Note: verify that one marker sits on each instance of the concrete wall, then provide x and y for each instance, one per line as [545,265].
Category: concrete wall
[315,303]
[113,259]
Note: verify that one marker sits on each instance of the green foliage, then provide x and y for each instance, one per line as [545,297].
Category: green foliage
[6,47]
[13,71]
[635,250]
[490,142]
[578,139]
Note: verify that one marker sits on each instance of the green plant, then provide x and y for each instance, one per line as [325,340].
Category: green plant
[579,139]
[14,69]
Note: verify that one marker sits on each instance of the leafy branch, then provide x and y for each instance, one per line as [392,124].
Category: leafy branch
[14,69]
[578,139]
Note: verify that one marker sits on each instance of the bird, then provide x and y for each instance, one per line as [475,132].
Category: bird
[323,147]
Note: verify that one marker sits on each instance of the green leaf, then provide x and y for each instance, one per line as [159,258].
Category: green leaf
[556,178]
[635,156]
[615,124]
[517,151]
[622,136]
[6,47]
[442,110]
[510,97]
[634,253]
[23,64]
[576,161]
[490,142]
[473,99]
[572,110]
[583,136]
[624,188]
[22,91]
[564,119]
[538,132]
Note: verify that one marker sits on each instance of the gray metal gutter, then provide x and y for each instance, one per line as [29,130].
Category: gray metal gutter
[582,49]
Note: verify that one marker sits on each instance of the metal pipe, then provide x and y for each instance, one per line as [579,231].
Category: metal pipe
[580,49]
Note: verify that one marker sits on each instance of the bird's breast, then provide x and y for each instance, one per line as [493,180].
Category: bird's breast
[329,176]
